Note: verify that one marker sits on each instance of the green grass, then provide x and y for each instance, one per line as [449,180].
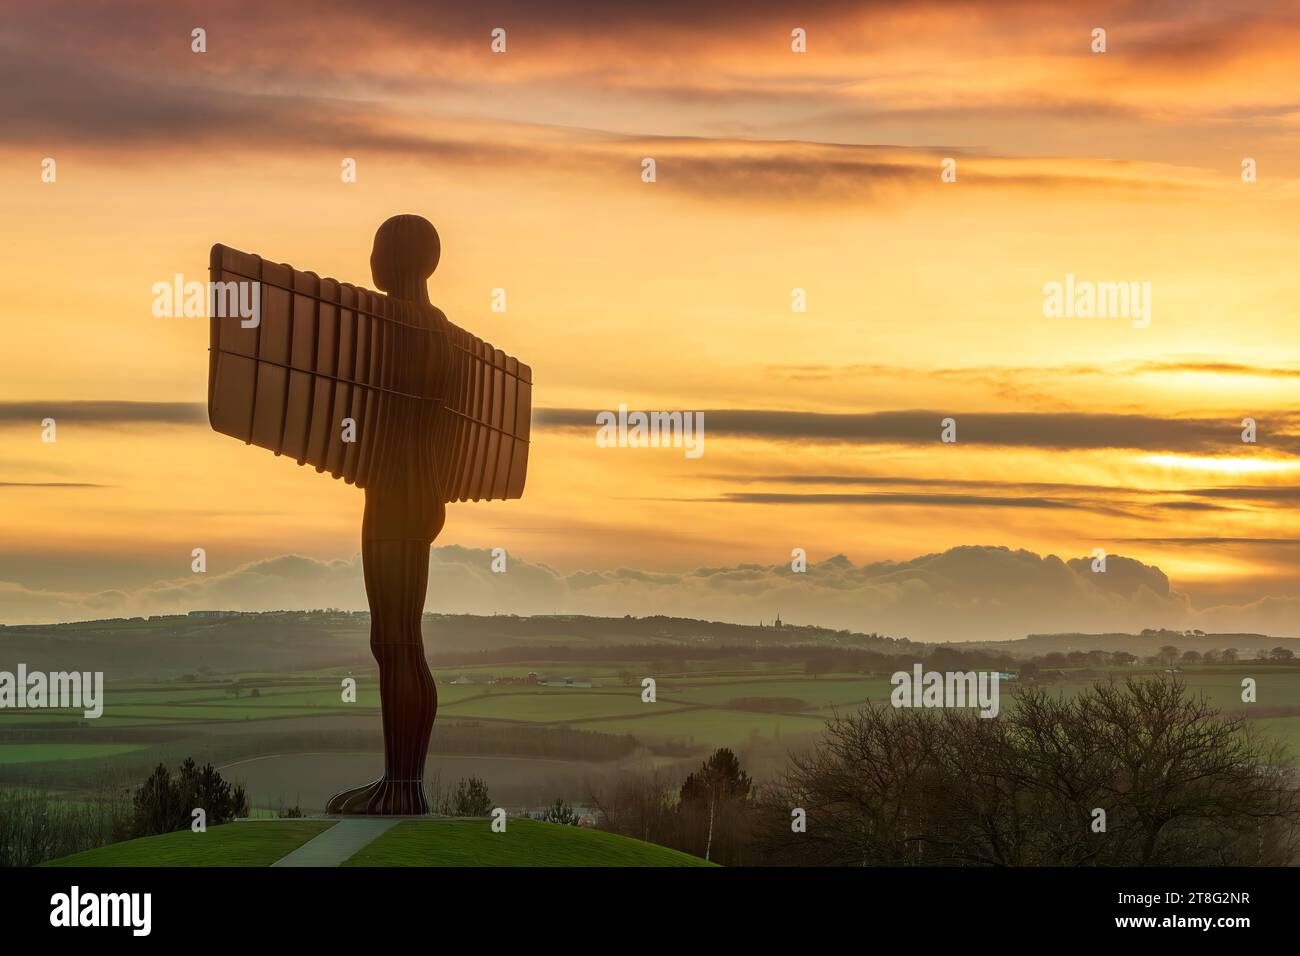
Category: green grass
[233,844]
[54,720]
[141,705]
[410,843]
[1283,729]
[1275,687]
[552,705]
[524,843]
[552,669]
[44,753]
[242,710]
[715,728]
[816,693]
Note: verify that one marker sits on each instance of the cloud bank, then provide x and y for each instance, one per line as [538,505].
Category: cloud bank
[963,594]
[1052,430]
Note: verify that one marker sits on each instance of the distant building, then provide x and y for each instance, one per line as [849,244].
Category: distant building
[529,680]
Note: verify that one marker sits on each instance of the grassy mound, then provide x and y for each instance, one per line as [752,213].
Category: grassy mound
[525,843]
[234,844]
[410,843]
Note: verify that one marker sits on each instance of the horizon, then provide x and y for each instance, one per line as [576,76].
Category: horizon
[914,599]
[765,623]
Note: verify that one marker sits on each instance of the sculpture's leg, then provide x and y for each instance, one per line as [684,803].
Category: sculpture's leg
[396,573]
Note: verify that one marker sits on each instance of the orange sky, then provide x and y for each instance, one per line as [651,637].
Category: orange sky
[775,170]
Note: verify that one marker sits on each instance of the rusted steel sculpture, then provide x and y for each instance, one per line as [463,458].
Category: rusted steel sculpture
[385,393]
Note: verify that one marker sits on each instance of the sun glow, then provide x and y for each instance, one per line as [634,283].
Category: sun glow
[1223,466]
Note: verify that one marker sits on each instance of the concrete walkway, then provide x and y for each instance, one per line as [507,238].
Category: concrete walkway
[340,841]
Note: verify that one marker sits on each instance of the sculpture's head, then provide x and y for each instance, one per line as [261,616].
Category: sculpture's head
[405,254]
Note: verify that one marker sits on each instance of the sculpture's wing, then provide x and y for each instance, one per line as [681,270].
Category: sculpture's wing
[324,351]
[483,424]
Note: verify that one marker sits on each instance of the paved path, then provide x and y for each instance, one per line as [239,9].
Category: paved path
[339,842]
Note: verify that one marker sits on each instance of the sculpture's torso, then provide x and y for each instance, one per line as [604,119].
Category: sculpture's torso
[403,501]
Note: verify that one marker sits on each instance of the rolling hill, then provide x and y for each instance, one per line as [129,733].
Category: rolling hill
[433,842]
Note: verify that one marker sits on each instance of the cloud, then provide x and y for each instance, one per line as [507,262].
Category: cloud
[1196,542]
[104,412]
[274,80]
[1283,494]
[1009,373]
[1103,499]
[81,105]
[50,484]
[1059,430]
[965,593]
[904,498]
[848,480]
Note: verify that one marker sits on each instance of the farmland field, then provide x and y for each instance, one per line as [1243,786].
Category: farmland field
[712,728]
[823,692]
[551,707]
[292,739]
[42,752]
[309,779]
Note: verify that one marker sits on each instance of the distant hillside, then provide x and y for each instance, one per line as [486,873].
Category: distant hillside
[212,642]
[215,642]
[1144,644]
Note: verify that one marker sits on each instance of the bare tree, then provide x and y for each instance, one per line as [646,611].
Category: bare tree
[1170,781]
[637,803]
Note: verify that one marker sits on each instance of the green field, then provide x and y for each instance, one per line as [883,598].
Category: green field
[1275,686]
[524,843]
[714,708]
[823,692]
[145,705]
[234,844]
[760,708]
[1284,729]
[546,705]
[34,753]
[711,728]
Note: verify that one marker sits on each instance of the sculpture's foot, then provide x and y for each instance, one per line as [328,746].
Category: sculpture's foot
[386,797]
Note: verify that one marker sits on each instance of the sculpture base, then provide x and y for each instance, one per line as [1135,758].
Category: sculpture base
[383,797]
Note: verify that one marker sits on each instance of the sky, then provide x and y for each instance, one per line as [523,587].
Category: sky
[775,171]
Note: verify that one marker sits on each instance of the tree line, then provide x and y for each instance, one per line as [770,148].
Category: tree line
[1132,773]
